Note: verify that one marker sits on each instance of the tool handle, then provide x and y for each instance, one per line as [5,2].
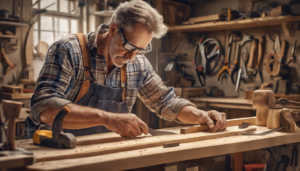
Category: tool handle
[283,48]
[260,52]
[252,53]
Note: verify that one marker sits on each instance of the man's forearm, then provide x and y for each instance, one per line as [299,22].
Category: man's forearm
[80,117]
[189,115]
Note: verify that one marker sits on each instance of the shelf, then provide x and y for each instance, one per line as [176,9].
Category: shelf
[237,24]
[106,13]
[9,36]
[10,23]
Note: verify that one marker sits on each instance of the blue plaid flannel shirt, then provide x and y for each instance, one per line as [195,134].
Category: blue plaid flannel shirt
[62,74]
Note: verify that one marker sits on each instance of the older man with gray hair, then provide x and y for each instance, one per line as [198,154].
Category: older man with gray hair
[99,75]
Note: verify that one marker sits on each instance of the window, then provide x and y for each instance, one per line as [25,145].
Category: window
[62,18]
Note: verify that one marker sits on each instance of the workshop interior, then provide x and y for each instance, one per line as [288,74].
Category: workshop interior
[238,57]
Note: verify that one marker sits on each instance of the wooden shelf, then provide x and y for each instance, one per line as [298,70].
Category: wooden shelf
[9,36]
[237,24]
[105,13]
[10,23]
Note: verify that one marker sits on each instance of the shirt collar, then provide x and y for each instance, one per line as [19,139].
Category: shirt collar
[103,28]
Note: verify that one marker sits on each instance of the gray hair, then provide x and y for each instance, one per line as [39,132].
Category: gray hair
[128,13]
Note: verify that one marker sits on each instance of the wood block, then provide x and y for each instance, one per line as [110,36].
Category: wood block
[12,89]
[248,94]
[16,96]
[273,118]
[287,121]
[27,81]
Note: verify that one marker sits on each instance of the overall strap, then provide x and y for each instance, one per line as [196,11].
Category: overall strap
[87,65]
[123,80]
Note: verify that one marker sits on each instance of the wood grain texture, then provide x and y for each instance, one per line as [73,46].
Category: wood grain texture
[230,122]
[48,154]
[158,155]
[287,121]
[273,118]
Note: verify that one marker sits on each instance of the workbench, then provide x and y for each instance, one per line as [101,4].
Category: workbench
[109,151]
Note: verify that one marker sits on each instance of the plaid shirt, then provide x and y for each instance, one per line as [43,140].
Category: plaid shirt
[62,74]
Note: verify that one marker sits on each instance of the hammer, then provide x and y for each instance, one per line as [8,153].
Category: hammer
[56,137]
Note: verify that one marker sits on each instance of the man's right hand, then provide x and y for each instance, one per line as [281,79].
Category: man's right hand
[127,125]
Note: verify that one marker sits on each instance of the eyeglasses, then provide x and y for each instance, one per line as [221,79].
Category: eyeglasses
[130,47]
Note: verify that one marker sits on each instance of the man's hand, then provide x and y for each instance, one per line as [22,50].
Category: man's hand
[127,125]
[216,121]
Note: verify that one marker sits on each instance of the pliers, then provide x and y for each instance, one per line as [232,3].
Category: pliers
[225,68]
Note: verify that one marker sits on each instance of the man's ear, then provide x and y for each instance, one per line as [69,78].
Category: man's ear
[112,29]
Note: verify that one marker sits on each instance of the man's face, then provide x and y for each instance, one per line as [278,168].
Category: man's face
[138,36]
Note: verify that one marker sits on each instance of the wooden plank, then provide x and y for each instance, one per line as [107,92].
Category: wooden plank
[159,155]
[11,89]
[9,160]
[213,17]
[16,96]
[230,106]
[233,25]
[11,23]
[230,122]
[223,100]
[47,154]
[27,81]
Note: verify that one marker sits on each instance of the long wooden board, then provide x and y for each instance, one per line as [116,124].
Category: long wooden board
[234,25]
[159,155]
[48,154]
[230,122]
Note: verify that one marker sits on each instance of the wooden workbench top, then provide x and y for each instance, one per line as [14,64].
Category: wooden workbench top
[90,149]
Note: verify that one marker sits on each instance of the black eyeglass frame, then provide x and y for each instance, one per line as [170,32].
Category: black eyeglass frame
[127,44]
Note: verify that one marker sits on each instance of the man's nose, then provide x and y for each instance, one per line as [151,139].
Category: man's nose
[130,55]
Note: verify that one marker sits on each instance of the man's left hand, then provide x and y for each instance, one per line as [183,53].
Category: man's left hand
[215,120]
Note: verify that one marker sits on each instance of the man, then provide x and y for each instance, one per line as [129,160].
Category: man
[113,50]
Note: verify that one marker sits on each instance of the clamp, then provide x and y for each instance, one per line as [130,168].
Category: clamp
[203,63]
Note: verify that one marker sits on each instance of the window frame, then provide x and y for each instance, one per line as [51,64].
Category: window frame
[58,15]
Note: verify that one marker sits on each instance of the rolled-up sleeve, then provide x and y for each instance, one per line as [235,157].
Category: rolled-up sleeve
[54,82]
[158,98]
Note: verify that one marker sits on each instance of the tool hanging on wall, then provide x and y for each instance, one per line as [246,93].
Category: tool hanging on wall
[292,58]
[235,66]
[206,62]
[274,62]
[225,68]
[252,57]
[242,74]
[8,65]
[259,64]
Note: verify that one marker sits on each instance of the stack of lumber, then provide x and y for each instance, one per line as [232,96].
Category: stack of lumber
[14,92]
